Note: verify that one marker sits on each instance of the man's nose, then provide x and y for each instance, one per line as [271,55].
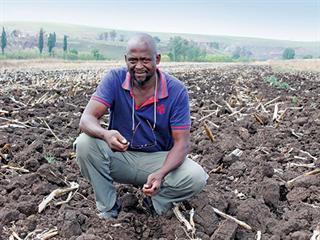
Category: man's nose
[139,64]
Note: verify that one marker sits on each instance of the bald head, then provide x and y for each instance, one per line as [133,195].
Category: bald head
[142,40]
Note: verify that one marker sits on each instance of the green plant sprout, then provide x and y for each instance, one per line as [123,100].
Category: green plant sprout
[274,81]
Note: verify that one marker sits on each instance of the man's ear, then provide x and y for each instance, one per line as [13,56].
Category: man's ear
[158,58]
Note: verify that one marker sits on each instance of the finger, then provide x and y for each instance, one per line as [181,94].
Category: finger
[118,146]
[148,183]
[126,147]
[148,191]
[148,194]
[121,139]
[121,146]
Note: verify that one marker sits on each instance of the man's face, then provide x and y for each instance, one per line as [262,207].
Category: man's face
[141,62]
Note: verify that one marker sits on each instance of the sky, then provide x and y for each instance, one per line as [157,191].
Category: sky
[296,20]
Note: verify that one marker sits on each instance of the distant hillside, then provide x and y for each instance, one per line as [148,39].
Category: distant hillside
[85,38]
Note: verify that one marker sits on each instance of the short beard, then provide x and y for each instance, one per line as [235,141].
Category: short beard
[143,83]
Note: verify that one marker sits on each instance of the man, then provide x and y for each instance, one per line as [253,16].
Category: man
[147,141]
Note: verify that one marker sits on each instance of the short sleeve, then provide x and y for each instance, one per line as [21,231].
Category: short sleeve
[180,113]
[105,90]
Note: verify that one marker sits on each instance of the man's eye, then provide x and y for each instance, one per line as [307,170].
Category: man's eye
[146,60]
[133,61]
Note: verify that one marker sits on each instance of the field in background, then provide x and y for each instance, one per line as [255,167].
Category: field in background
[278,65]
[296,65]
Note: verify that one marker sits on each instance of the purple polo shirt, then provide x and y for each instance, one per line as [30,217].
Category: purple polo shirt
[172,110]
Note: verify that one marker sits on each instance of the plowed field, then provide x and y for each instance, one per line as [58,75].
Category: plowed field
[254,131]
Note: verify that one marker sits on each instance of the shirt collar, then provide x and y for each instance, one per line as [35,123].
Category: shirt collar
[163,90]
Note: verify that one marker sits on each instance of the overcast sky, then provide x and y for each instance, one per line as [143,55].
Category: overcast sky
[276,19]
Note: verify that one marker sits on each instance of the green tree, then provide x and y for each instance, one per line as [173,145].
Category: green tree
[236,53]
[288,53]
[121,38]
[103,36]
[308,56]
[194,53]
[3,40]
[113,35]
[214,45]
[97,55]
[40,41]
[54,39]
[51,43]
[65,43]
[181,49]
[73,54]
[177,48]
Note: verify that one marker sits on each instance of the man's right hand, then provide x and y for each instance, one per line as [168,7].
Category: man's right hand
[116,141]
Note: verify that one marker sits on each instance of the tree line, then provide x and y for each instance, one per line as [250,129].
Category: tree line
[51,41]
[178,48]
[112,36]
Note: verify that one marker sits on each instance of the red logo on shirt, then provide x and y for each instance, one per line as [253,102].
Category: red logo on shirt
[160,108]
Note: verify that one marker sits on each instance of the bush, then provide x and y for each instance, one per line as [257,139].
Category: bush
[288,53]
[273,80]
[97,55]
[165,58]
[72,54]
[24,54]
[218,58]
[181,49]
[308,56]
[223,58]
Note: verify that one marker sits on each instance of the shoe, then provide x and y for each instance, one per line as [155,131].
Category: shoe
[112,213]
[147,204]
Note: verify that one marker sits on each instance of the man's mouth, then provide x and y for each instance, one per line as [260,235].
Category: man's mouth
[139,75]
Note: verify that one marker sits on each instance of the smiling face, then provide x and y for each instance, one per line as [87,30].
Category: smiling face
[142,60]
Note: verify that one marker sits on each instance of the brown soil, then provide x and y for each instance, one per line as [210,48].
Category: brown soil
[251,187]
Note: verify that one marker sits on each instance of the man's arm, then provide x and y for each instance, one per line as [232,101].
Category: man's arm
[89,124]
[175,158]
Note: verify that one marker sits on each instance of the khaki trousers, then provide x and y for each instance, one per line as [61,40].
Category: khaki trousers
[101,166]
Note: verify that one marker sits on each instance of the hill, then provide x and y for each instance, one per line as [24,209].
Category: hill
[85,38]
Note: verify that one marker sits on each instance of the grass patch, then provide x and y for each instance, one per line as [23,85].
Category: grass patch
[294,100]
[274,81]
[50,158]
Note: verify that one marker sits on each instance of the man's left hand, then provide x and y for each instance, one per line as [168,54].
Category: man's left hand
[152,187]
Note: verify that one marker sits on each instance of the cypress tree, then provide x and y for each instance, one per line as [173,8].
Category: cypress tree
[65,43]
[54,39]
[3,40]
[40,41]
[50,43]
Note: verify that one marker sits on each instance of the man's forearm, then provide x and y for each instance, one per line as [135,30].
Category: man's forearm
[91,126]
[175,158]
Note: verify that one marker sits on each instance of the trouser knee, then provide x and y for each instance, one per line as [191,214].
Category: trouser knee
[82,145]
[197,180]
[188,179]
[89,153]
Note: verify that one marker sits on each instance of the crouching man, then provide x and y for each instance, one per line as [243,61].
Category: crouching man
[148,137]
